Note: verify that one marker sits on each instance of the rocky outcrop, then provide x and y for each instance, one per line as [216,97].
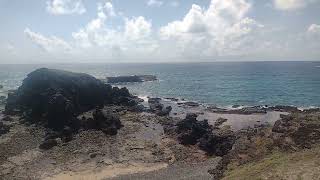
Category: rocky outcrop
[245,110]
[135,78]
[48,144]
[4,128]
[158,108]
[3,100]
[297,130]
[190,131]
[219,122]
[106,121]
[189,103]
[56,97]
[282,108]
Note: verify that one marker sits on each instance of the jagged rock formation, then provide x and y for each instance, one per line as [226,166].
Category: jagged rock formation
[104,120]
[158,108]
[55,98]
[4,128]
[214,141]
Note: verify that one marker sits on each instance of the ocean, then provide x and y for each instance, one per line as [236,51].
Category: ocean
[218,83]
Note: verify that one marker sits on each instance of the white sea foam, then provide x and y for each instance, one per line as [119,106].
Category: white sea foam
[145,98]
[309,107]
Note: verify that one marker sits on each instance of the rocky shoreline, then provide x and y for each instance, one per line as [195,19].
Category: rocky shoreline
[63,125]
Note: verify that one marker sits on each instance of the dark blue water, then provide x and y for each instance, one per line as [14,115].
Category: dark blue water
[219,83]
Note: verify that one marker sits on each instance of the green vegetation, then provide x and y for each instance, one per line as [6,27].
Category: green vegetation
[302,165]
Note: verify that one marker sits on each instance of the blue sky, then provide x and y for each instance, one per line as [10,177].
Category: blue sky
[45,31]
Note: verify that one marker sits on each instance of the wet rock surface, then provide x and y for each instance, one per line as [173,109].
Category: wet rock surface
[284,108]
[244,111]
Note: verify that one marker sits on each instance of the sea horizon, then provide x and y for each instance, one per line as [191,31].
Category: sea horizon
[224,84]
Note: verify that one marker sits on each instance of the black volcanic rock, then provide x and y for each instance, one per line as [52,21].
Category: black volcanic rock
[282,108]
[3,128]
[106,121]
[190,131]
[48,144]
[56,97]
[158,108]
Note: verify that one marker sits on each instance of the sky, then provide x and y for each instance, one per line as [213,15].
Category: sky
[84,31]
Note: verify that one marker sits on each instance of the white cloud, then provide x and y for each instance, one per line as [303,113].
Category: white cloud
[49,44]
[313,35]
[220,30]
[137,28]
[156,3]
[134,37]
[291,4]
[314,28]
[62,7]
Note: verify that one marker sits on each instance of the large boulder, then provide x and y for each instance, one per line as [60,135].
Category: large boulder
[4,128]
[190,130]
[158,108]
[105,120]
[218,142]
[56,97]
[3,100]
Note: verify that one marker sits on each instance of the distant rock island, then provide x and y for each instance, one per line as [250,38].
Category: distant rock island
[133,78]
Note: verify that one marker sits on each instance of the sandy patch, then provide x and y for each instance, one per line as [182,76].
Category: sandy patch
[109,171]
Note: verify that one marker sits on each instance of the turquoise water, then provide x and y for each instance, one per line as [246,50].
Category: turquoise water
[219,83]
